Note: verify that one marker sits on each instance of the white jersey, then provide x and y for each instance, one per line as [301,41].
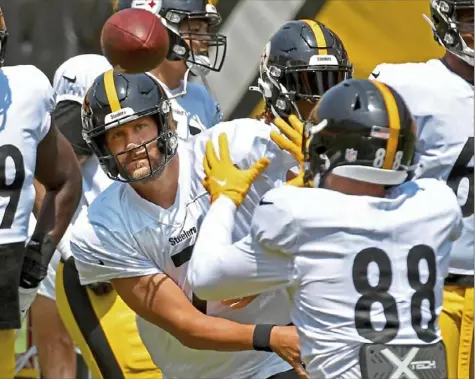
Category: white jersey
[75,76]
[343,258]
[442,105]
[27,100]
[193,112]
[122,235]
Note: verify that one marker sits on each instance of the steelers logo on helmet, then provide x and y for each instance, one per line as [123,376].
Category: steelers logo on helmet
[135,105]
[361,130]
[301,62]
[153,6]
[203,50]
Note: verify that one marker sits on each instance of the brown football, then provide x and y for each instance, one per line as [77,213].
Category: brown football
[134,40]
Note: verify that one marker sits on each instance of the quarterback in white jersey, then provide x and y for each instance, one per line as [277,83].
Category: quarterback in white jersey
[140,234]
[30,147]
[439,94]
[363,263]
[71,81]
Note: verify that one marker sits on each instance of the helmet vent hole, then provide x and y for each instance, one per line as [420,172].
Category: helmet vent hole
[357,103]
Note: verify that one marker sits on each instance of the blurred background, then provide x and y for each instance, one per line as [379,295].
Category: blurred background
[47,32]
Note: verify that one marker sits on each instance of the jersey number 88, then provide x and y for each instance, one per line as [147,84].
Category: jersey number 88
[380,294]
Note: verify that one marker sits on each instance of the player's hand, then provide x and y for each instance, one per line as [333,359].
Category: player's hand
[239,303]
[223,178]
[284,341]
[296,180]
[100,288]
[290,136]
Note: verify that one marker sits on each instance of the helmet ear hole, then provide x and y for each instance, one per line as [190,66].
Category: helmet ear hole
[357,103]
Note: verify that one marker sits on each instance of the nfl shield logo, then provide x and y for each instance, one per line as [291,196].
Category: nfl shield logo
[351,155]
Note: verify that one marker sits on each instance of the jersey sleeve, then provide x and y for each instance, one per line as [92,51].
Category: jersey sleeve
[273,224]
[74,77]
[220,269]
[46,96]
[378,73]
[103,253]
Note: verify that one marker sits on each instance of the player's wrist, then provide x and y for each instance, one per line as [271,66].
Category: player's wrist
[261,339]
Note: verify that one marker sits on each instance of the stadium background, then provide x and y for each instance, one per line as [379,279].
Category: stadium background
[47,32]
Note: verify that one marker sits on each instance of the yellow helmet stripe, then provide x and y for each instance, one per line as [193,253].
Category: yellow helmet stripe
[394,124]
[111,92]
[319,36]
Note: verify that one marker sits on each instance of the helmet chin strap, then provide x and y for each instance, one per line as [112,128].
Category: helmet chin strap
[185,86]
[201,69]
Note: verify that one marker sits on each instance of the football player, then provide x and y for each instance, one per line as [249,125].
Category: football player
[55,347]
[31,147]
[189,25]
[140,232]
[363,254]
[301,61]
[439,93]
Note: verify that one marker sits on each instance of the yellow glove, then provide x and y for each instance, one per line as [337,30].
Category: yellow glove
[297,180]
[223,178]
[290,138]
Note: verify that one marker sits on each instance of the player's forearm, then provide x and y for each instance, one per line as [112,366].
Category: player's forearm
[213,333]
[157,299]
[57,209]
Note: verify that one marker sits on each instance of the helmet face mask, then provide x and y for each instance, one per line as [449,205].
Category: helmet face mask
[358,133]
[179,16]
[449,29]
[141,97]
[311,82]
[183,21]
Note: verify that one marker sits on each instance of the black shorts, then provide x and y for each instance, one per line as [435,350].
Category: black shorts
[11,262]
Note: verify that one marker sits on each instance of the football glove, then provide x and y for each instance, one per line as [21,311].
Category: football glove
[290,138]
[223,178]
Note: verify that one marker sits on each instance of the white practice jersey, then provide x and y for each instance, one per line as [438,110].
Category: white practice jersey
[343,258]
[193,112]
[27,101]
[442,105]
[74,77]
[122,235]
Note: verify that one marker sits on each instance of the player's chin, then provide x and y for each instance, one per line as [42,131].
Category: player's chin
[144,170]
[138,170]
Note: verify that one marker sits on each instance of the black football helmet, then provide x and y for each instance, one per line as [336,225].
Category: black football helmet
[176,12]
[448,29]
[3,38]
[115,99]
[362,130]
[301,62]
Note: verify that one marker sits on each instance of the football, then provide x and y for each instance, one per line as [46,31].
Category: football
[134,40]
